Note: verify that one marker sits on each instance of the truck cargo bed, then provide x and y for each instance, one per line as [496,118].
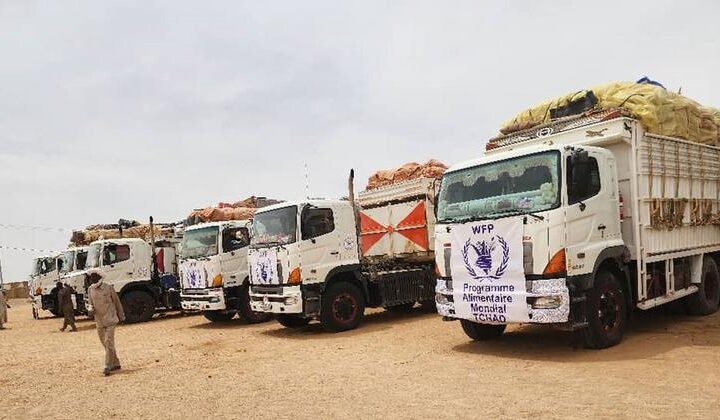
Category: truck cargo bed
[397,222]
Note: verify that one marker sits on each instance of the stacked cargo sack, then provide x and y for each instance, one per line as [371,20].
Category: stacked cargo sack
[411,170]
[659,110]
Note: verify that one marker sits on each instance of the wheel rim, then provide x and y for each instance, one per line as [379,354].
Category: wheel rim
[137,307]
[710,286]
[344,308]
[610,310]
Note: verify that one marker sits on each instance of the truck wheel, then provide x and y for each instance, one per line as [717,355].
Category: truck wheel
[292,321]
[246,312]
[606,312]
[705,301]
[428,306]
[405,307]
[138,306]
[343,307]
[218,316]
[482,332]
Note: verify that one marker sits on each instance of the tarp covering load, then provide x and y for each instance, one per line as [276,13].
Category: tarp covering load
[240,210]
[411,170]
[135,230]
[659,110]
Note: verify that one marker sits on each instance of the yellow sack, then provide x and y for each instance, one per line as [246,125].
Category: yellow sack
[660,111]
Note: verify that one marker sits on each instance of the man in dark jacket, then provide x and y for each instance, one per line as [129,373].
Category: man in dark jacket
[64,296]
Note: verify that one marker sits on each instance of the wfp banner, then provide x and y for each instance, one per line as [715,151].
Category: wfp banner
[487,271]
[263,266]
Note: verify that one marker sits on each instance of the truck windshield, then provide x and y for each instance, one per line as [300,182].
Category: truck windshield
[275,227]
[46,265]
[93,256]
[524,184]
[201,242]
[68,257]
[35,268]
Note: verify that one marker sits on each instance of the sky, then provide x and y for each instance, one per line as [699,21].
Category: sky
[126,109]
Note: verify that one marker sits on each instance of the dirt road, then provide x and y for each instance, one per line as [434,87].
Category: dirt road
[394,366]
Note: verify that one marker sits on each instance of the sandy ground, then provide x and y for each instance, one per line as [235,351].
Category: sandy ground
[394,366]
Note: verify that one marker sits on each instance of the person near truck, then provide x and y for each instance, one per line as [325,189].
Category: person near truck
[108,312]
[3,309]
[64,296]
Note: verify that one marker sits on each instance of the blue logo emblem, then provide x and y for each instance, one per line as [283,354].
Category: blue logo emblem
[194,277]
[264,267]
[484,265]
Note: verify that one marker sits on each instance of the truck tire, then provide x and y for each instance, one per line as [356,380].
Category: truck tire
[428,306]
[342,308]
[139,306]
[605,312]
[246,312]
[706,300]
[482,332]
[292,321]
[405,307]
[218,316]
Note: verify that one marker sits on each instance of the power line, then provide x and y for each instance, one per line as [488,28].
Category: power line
[40,228]
[35,250]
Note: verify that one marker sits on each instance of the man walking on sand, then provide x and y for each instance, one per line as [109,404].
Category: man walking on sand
[65,304]
[3,309]
[108,312]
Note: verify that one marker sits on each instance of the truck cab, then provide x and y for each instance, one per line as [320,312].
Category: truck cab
[214,271]
[306,261]
[44,277]
[142,280]
[295,249]
[562,225]
[72,273]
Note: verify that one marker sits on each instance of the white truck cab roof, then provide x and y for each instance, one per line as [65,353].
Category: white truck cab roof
[333,203]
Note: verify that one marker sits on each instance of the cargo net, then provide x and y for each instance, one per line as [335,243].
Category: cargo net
[659,110]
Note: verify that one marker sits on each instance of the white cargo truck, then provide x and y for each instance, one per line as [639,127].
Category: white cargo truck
[72,273]
[330,259]
[214,271]
[143,274]
[576,224]
[42,283]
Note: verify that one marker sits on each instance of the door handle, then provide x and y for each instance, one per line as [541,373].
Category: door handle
[601,227]
[334,253]
[130,273]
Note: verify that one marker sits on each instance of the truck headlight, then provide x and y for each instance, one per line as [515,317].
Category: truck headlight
[545,302]
[292,300]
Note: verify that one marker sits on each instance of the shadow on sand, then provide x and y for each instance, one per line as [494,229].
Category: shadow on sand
[375,321]
[648,334]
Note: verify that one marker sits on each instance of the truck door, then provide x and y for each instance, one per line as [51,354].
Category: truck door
[117,262]
[319,244]
[592,215]
[233,259]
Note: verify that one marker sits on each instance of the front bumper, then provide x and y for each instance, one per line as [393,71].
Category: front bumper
[280,300]
[547,290]
[203,299]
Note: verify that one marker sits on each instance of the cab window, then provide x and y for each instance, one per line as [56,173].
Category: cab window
[317,222]
[580,188]
[114,253]
[234,238]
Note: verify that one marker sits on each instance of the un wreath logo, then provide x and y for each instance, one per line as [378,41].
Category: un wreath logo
[485,256]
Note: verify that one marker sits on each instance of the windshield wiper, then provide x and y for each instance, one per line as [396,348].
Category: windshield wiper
[536,216]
